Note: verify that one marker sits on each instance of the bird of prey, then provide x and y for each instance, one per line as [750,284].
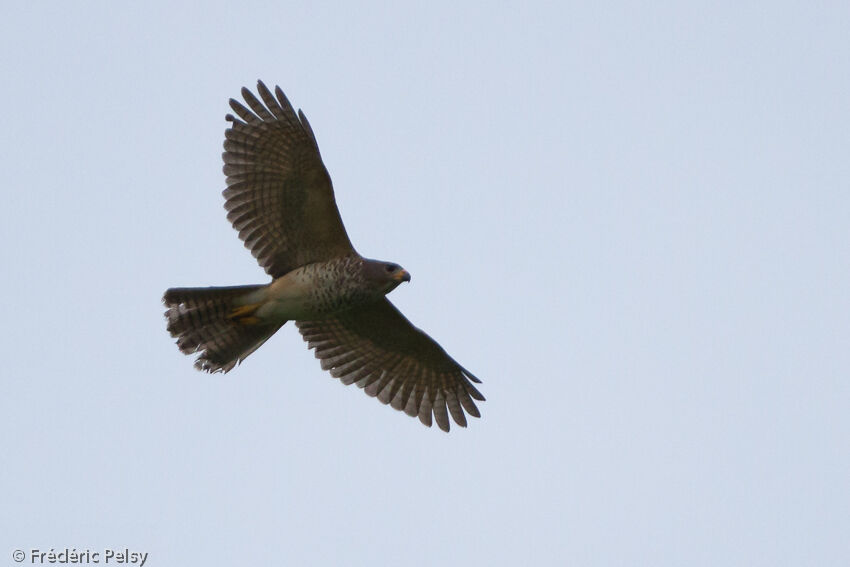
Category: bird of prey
[280,198]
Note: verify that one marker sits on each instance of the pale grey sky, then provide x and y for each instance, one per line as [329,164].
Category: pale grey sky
[630,220]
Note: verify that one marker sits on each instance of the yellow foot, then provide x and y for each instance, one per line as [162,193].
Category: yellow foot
[245,314]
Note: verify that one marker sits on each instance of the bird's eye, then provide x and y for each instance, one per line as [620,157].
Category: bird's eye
[391,268]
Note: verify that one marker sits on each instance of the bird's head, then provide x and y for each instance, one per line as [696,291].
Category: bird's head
[385,276]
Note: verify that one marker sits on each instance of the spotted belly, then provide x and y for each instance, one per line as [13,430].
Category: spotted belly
[314,291]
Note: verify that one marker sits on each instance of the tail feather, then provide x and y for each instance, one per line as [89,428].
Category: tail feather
[201,319]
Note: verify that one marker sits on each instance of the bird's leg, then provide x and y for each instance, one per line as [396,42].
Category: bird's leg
[244,314]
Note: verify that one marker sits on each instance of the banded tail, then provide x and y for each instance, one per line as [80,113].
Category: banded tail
[213,322]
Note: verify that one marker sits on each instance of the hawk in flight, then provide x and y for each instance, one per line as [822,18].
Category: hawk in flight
[280,198]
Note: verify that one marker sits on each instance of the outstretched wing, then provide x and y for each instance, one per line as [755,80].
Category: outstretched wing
[279,195]
[378,349]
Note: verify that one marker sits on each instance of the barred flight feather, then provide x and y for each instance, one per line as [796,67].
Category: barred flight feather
[377,349]
[197,318]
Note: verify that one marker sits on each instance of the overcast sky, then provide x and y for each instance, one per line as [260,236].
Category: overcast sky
[630,220]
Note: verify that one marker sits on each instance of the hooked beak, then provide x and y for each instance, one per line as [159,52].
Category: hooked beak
[402,276]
